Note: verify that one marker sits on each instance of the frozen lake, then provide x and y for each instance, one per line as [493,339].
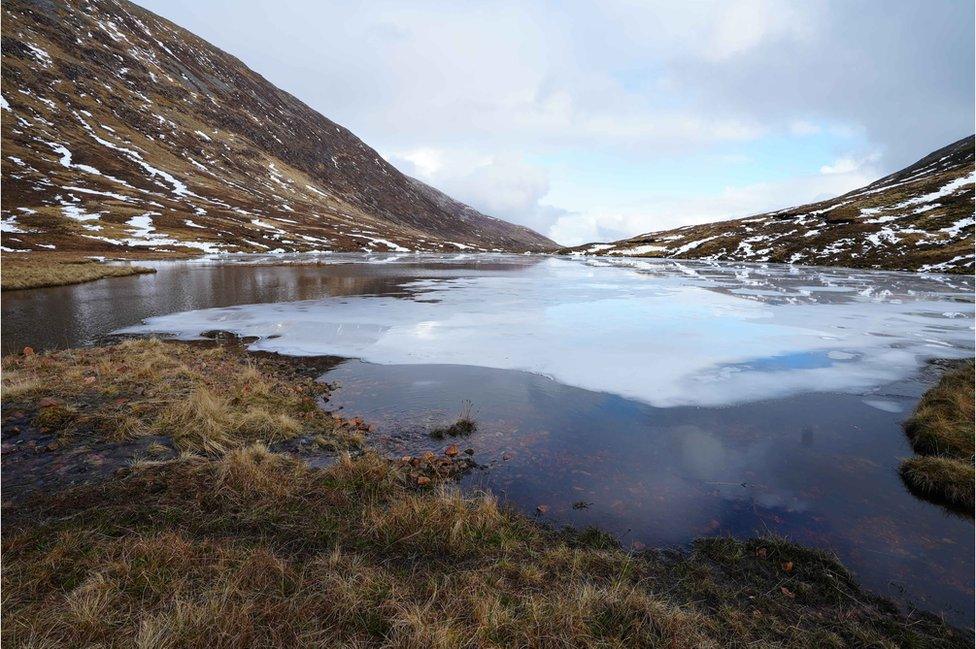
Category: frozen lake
[665,333]
[660,400]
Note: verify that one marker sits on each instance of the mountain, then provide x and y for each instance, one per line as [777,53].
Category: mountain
[920,219]
[124,132]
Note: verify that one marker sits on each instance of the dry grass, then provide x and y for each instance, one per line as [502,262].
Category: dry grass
[37,274]
[205,399]
[941,479]
[256,549]
[233,545]
[941,431]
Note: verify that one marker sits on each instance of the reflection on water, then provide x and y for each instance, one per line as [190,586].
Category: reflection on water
[68,316]
[762,398]
[820,469]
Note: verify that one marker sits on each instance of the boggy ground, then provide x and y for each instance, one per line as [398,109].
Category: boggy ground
[218,540]
[941,433]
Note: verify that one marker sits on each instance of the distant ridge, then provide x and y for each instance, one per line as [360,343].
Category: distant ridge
[919,218]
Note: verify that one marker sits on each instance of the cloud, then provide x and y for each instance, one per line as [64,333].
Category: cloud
[504,186]
[851,164]
[488,101]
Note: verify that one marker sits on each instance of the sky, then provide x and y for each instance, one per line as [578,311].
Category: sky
[596,121]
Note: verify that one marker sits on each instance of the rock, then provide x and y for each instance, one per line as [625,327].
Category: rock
[542,509]
[451,451]
[469,451]
[48,402]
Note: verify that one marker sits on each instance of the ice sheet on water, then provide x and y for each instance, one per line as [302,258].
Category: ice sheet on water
[665,333]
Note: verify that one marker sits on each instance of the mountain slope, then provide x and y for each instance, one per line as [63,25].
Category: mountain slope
[920,218]
[122,131]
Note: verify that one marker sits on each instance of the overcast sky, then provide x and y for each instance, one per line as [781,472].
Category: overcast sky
[598,120]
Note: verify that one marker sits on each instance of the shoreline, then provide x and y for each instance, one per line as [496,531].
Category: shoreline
[745,566]
[44,269]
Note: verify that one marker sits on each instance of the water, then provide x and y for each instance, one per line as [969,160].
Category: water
[659,400]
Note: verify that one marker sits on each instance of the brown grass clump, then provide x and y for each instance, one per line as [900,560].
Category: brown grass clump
[941,431]
[31,274]
[941,479]
[943,421]
[204,399]
[258,549]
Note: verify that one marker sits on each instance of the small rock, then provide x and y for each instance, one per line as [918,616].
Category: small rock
[542,509]
[48,402]
[469,451]
[451,451]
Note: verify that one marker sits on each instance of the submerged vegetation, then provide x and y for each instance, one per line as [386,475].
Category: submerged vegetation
[463,425]
[237,541]
[32,273]
[941,432]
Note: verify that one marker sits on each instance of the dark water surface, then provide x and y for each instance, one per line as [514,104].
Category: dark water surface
[815,459]
[67,316]
[820,469]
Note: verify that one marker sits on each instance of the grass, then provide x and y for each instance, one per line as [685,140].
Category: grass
[207,400]
[463,425]
[257,549]
[230,544]
[37,274]
[941,432]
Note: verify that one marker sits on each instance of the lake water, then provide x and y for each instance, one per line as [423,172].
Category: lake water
[659,400]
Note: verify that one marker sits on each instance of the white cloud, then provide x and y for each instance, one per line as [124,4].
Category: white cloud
[504,186]
[423,163]
[742,25]
[850,164]
[465,94]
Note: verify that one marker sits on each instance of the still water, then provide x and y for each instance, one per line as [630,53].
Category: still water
[660,400]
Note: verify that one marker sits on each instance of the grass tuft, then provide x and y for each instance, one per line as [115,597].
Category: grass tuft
[463,425]
[941,432]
